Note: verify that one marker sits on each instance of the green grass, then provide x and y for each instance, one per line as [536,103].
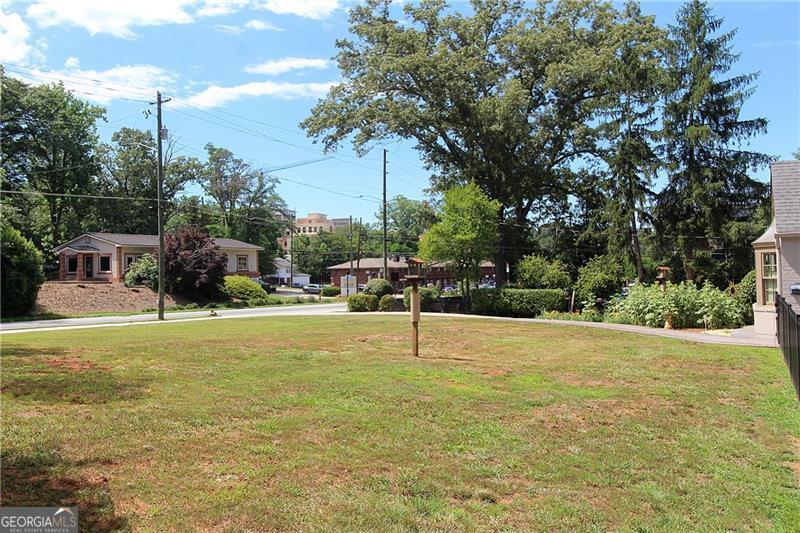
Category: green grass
[326,423]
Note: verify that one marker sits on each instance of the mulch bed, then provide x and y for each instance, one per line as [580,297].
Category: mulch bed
[70,299]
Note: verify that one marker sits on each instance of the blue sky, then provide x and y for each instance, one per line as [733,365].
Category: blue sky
[258,66]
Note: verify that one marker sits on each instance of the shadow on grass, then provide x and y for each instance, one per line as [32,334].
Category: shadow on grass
[40,478]
[69,381]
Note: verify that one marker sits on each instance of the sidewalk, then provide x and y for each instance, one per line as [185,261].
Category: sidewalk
[739,337]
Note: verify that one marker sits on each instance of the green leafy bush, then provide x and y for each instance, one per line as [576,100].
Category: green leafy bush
[427,296]
[242,288]
[21,273]
[143,271]
[685,304]
[601,277]
[745,294]
[389,303]
[260,301]
[362,302]
[537,272]
[378,287]
[588,315]
[331,291]
[516,302]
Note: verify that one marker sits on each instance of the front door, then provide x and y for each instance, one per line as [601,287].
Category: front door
[88,264]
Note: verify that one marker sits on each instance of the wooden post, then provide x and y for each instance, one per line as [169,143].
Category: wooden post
[415,308]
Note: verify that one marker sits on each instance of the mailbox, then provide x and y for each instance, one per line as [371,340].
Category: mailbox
[794,288]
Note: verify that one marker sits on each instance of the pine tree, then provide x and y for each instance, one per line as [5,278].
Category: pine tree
[635,86]
[708,185]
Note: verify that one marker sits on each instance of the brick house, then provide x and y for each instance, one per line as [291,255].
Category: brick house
[106,256]
[777,251]
[372,267]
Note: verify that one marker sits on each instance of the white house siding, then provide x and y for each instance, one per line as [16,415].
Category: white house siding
[252,260]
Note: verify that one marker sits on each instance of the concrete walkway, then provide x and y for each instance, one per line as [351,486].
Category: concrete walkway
[740,337]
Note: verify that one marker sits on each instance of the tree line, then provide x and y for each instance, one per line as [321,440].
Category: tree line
[596,131]
[74,183]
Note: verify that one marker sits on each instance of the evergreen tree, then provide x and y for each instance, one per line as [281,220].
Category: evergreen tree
[708,185]
[635,86]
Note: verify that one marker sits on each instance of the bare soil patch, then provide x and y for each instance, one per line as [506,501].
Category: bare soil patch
[70,299]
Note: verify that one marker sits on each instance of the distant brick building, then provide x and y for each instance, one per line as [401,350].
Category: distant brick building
[313,224]
[372,267]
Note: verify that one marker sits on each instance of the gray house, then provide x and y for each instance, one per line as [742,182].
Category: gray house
[778,249]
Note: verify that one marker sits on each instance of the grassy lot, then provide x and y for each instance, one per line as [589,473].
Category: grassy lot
[326,423]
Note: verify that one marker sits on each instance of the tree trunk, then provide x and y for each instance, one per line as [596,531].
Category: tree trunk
[500,256]
[636,248]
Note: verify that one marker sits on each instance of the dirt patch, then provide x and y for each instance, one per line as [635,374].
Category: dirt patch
[794,466]
[74,364]
[70,298]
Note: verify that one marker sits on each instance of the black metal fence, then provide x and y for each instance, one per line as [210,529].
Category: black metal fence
[789,339]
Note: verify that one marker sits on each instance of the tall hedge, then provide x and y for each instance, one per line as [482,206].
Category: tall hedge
[20,272]
[517,302]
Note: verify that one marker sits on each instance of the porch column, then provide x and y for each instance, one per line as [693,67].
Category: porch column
[62,266]
[80,274]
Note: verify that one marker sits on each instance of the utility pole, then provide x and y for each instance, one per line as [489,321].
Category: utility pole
[160,134]
[358,250]
[291,252]
[385,256]
[351,256]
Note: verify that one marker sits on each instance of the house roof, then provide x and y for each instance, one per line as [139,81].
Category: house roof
[767,238]
[135,239]
[377,262]
[370,262]
[280,262]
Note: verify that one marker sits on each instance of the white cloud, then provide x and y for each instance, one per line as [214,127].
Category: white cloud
[773,44]
[255,25]
[313,9]
[215,96]
[139,82]
[115,18]
[14,35]
[261,25]
[120,17]
[287,64]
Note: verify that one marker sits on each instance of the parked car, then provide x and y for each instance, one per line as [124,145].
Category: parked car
[266,284]
[361,287]
[297,285]
[449,288]
[487,285]
[312,288]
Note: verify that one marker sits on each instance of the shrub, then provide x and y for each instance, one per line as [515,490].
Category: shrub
[331,291]
[194,265]
[21,273]
[389,303]
[260,301]
[362,302]
[143,271]
[589,315]
[688,306]
[242,288]
[516,302]
[600,278]
[536,272]
[427,295]
[745,294]
[378,287]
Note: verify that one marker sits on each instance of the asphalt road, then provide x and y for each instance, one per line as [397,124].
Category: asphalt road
[182,316]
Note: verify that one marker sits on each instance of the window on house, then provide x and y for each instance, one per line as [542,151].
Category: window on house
[105,263]
[769,276]
[72,264]
[241,263]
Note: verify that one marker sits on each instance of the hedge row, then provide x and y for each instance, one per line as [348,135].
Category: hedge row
[362,302]
[517,302]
